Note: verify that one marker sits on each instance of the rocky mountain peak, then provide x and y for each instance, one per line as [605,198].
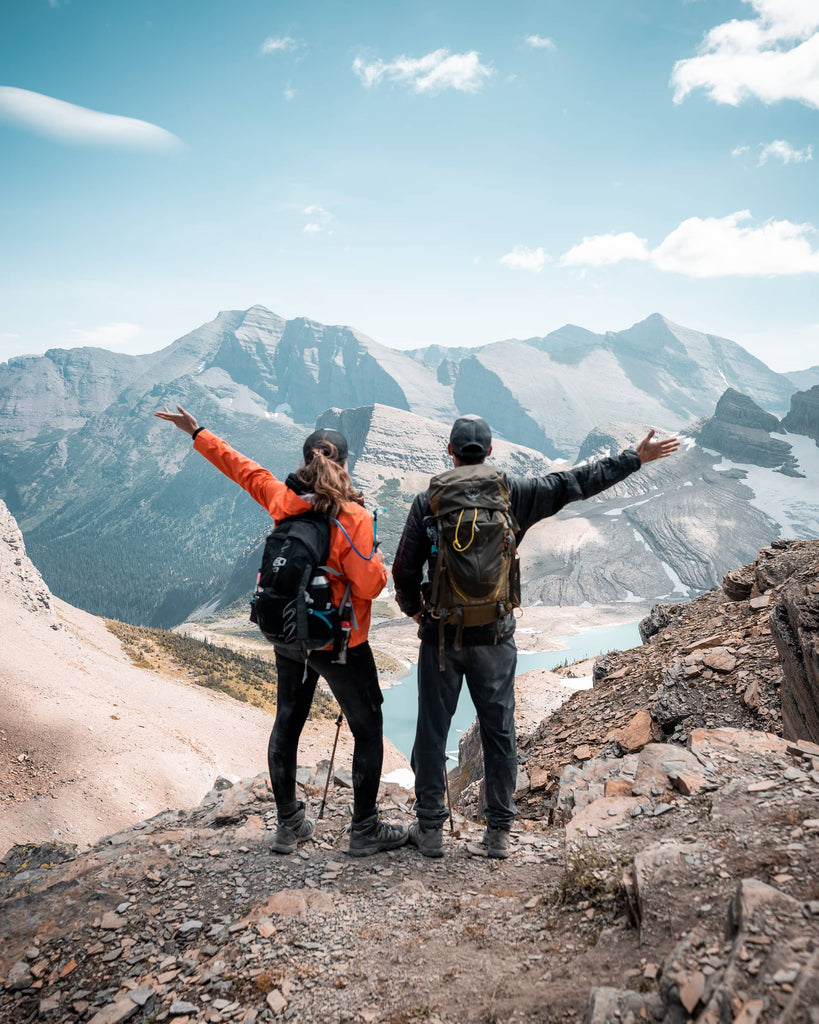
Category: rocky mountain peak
[741,410]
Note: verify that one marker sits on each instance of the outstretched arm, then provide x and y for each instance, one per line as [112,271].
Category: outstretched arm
[535,498]
[259,482]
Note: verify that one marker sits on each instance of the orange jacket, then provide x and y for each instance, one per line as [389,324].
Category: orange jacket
[367,578]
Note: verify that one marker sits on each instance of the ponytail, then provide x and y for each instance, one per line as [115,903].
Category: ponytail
[327,478]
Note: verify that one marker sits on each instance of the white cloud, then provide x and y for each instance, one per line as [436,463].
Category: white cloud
[432,73]
[107,336]
[278,44]
[524,258]
[603,250]
[740,150]
[322,220]
[289,93]
[710,247]
[540,42]
[773,56]
[784,151]
[66,122]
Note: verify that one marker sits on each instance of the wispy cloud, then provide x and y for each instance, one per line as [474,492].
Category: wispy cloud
[289,92]
[772,56]
[432,73]
[279,44]
[524,258]
[67,122]
[710,247]
[540,42]
[740,150]
[110,335]
[320,220]
[603,250]
[779,149]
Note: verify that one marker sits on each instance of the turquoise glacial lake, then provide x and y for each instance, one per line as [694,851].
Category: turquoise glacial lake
[401,699]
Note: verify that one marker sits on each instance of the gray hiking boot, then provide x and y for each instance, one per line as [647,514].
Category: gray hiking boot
[428,841]
[292,830]
[495,843]
[373,835]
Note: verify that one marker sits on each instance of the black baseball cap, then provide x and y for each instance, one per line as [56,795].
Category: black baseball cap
[471,436]
[331,436]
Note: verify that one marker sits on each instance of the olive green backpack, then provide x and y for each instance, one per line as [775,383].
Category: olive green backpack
[476,578]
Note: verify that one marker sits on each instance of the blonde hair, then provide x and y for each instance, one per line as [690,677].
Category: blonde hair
[328,480]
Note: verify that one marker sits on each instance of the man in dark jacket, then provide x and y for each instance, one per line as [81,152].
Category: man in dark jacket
[485,655]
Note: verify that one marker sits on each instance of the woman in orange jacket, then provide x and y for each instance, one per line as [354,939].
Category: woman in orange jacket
[323,485]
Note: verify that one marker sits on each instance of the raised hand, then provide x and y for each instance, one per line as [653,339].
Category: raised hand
[649,450]
[181,419]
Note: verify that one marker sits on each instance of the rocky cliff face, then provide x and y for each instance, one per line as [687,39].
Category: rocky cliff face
[740,430]
[20,582]
[803,417]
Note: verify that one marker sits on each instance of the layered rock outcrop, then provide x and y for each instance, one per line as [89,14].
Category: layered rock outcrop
[740,430]
[803,417]
[795,627]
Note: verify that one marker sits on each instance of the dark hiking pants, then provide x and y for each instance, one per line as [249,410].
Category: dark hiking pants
[490,675]
[355,687]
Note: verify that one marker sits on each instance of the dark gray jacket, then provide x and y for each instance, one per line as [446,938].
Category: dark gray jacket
[532,499]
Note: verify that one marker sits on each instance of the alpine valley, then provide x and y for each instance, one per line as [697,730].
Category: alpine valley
[123,519]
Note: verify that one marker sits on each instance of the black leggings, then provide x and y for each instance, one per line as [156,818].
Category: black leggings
[355,687]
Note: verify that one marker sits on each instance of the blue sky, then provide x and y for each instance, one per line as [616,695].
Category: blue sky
[453,172]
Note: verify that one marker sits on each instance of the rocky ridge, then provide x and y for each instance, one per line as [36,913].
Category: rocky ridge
[803,417]
[664,870]
[741,431]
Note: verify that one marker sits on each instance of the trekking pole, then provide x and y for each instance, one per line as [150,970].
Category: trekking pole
[339,720]
[448,797]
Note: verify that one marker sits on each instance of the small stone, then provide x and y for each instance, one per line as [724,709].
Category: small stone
[189,928]
[115,1012]
[691,990]
[759,602]
[276,1001]
[179,1008]
[112,921]
[762,787]
[582,753]
[19,977]
[637,732]
[662,809]
[142,994]
[720,660]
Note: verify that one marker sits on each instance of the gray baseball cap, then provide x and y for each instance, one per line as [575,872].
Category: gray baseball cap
[471,436]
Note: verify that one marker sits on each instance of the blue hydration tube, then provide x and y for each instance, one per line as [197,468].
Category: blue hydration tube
[371,555]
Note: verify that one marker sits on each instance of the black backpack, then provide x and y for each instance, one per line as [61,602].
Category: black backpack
[476,577]
[293,605]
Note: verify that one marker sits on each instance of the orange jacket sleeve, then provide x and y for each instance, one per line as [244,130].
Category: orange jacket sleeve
[270,492]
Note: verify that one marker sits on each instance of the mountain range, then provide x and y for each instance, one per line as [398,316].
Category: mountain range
[124,520]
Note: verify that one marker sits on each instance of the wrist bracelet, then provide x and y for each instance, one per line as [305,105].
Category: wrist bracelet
[197,431]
